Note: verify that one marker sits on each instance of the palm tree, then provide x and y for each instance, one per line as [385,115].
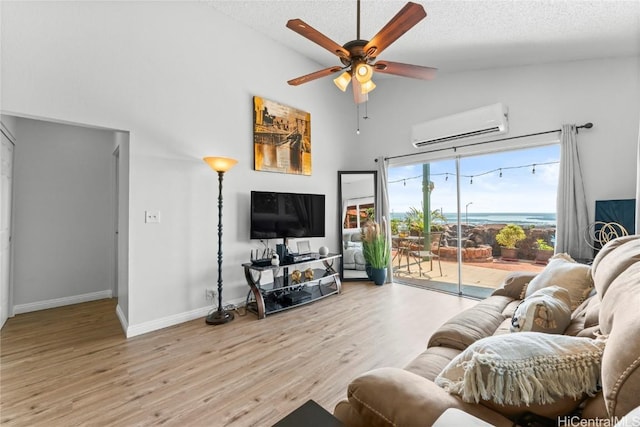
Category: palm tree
[415,219]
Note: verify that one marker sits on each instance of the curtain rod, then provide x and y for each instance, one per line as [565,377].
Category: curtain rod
[588,125]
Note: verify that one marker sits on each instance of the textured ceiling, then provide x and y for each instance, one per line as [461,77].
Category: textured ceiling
[457,35]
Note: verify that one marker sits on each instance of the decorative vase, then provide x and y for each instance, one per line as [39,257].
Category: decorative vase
[378,275]
[367,269]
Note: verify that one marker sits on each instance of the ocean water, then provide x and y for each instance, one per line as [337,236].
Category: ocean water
[523,218]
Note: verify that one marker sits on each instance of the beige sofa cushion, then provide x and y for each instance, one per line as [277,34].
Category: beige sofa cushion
[621,360]
[514,284]
[432,361]
[563,271]
[584,319]
[524,368]
[605,268]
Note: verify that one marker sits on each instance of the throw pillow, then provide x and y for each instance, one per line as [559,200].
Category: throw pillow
[563,271]
[546,310]
[524,369]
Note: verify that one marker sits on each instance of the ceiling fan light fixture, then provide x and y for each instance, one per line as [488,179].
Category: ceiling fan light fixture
[342,81]
[367,87]
[363,72]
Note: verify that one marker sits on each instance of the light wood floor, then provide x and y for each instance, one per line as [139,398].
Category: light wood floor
[72,365]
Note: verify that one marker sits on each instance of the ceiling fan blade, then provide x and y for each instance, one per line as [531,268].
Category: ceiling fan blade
[409,15]
[313,76]
[307,31]
[405,70]
[358,96]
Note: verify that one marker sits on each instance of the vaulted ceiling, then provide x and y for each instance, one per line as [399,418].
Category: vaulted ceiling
[457,35]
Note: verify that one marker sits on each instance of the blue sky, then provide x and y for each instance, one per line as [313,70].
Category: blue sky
[518,190]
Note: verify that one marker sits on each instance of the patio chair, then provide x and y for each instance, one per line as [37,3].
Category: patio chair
[401,246]
[428,249]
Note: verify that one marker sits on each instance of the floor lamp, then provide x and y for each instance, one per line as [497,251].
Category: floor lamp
[220,165]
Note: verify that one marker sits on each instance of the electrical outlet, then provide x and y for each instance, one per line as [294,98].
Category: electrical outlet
[152,217]
[209,294]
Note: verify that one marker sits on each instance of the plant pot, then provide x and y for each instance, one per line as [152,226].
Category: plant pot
[367,269]
[542,256]
[509,254]
[378,275]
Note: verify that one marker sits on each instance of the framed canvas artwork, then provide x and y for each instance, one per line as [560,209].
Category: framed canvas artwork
[281,138]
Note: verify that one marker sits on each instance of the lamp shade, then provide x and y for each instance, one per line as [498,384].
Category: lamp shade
[342,81]
[220,164]
[367,86]
[363,72]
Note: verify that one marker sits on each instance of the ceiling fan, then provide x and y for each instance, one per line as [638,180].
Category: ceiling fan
[358,56]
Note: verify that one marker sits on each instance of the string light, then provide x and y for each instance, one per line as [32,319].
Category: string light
[498,170]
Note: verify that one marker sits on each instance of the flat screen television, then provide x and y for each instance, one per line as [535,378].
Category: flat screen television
[284,215]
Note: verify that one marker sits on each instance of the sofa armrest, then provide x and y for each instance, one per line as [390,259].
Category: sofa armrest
[392,396]
[472,324]
[514,284]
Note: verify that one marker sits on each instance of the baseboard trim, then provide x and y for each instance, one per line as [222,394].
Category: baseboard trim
[123,319]
[59,302]
[165,322]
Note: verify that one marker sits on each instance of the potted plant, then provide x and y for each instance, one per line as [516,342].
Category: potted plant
[376,251]
[544,251]
[507,238]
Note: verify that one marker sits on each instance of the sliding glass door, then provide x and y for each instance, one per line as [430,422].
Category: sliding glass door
[446,214]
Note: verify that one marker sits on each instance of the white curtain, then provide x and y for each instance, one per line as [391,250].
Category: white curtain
[573,217]
[382,206]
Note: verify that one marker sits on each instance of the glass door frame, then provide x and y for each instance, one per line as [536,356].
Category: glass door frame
[468,152]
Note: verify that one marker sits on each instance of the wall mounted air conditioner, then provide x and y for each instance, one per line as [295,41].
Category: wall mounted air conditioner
[445,132]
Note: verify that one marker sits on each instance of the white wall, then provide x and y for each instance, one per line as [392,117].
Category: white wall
[179,77]
[121,142]
[63,222]
[9,122]
[540,98]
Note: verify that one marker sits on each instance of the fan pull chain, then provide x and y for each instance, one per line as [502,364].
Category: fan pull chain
[358,119]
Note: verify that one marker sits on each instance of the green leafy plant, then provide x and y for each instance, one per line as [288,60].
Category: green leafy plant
[510,235]
[394,225]
[370,212]
[415,220]
[542,245]
[438,216]
[375,246]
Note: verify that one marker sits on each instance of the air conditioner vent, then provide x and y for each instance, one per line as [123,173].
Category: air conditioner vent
[441,132]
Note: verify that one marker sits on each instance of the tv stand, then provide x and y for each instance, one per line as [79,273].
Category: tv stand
[277,288]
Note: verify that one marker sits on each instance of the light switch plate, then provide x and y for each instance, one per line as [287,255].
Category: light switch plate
[152,217]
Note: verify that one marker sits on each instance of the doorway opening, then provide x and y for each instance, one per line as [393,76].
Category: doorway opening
[68,199]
